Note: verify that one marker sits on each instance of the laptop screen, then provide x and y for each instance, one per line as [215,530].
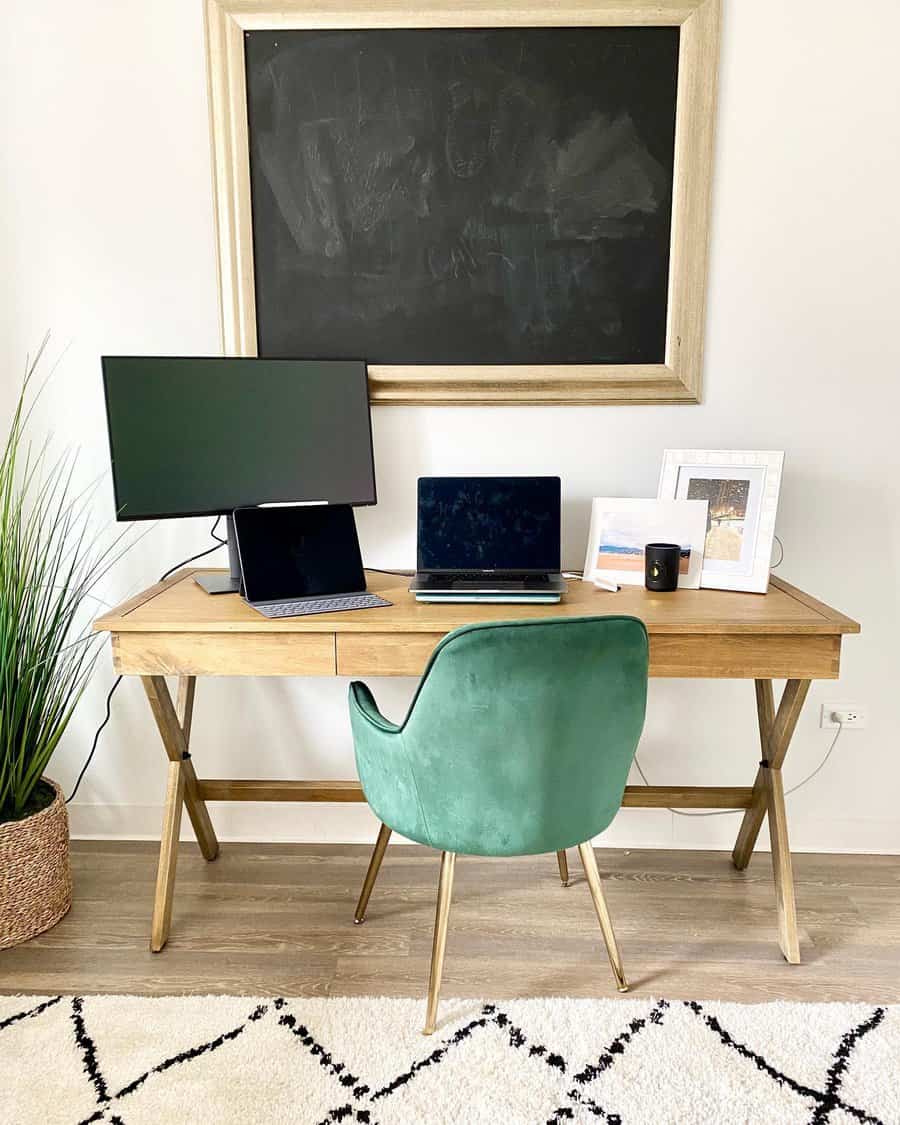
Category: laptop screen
[298,552]
[489,523]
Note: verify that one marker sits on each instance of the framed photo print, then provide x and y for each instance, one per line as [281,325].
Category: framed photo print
[621,529]
[741,488]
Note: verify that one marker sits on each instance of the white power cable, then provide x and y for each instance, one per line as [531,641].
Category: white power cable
[809,777]
[731,812]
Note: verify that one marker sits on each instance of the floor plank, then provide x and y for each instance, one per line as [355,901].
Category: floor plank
[278,919]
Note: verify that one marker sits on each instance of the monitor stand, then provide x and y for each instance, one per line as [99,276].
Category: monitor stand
[216,583]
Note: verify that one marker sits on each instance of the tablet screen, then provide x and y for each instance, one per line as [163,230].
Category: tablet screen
[298,552]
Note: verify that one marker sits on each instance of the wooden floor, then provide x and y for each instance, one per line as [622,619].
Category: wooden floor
[277,919]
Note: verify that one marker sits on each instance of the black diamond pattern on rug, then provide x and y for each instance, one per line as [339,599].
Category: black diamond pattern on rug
[548,1062]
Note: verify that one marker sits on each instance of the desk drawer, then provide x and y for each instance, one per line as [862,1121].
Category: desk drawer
[224,654]
[707,656]
[738,656]
[384,654]
[406,654]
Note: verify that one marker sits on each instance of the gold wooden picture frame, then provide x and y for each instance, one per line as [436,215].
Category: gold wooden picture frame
[677,380]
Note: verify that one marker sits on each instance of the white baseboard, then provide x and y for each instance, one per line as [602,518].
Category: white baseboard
[356,824]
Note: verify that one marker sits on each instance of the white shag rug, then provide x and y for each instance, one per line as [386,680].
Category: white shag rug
[129,1060]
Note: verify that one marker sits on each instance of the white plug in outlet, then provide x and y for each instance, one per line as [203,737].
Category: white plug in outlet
[846,715]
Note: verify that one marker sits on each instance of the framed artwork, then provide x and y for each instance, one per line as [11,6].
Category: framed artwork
[487,202]
[621,529]
[741,488]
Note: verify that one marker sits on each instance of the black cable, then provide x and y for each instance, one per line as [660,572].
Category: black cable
[97,734]
[217,538]
[118,679]
[200,554]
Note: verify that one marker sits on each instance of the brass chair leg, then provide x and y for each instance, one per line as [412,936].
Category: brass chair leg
[384,834]
[563,862]
[442,916]
[589,862]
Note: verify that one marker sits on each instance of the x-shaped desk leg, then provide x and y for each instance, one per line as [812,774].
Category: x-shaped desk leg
[775,732]
[181,789]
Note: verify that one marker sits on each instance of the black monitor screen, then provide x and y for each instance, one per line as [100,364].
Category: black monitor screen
[192,437]
[489,523]
[298,552]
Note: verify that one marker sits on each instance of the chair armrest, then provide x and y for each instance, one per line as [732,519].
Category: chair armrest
[384,767]
[363,703]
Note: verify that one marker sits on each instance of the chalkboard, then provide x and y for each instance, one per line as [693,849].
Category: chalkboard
[462,196]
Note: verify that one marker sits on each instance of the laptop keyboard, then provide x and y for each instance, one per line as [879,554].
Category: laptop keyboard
[333,604]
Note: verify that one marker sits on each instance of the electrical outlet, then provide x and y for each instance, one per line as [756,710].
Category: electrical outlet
[852,717]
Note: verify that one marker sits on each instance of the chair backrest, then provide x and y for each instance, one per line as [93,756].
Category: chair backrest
[521,735]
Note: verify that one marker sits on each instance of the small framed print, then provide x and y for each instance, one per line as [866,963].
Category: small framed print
[621,529]
[741,488]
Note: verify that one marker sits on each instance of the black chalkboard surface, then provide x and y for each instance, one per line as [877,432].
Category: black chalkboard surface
[463,196]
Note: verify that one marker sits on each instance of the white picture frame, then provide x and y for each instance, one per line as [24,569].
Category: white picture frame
[621,528]
[743,491]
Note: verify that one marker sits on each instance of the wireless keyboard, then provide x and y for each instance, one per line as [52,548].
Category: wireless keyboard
[333,604]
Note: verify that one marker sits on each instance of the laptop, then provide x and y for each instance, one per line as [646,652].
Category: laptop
[297,560]
[496,537]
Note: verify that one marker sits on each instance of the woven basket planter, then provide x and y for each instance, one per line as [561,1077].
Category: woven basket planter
[35,876]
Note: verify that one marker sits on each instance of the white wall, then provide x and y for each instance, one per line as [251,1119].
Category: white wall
[108,240]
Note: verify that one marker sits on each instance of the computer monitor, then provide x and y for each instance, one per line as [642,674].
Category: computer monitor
[203,436]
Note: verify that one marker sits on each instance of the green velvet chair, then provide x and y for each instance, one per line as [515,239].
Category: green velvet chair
[518,742]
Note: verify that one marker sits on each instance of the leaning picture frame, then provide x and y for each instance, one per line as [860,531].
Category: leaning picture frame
[742,488]
[674,377]
[621,528]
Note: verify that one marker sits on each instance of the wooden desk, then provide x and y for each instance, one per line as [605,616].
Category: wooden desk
[175,628]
